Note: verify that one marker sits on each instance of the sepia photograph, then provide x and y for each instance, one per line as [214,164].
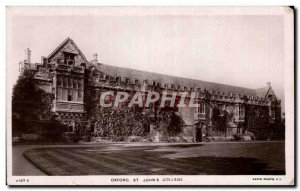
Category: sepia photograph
[150,96]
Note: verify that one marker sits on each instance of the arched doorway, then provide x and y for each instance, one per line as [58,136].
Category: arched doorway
[198,133]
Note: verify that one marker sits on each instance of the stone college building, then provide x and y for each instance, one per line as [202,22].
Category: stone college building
[70,76]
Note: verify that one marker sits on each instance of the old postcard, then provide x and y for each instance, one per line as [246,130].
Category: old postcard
[150,96]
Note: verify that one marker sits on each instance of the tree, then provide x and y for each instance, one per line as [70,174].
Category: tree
[257,121]
[221,120]
[170,123]
[216,118]
[29,104]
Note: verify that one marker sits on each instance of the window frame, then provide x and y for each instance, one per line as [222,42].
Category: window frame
[201,108]
[240,111]
[69,58]
[70,96]
[272,113]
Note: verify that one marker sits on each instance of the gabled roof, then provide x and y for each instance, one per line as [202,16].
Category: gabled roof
[65,42]
[167,79]
[264,92]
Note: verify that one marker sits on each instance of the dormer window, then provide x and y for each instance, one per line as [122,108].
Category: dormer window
[270,98]
[69,58]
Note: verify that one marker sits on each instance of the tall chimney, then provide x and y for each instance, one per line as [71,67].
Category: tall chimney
[95,58]
[28,55]
[44,61]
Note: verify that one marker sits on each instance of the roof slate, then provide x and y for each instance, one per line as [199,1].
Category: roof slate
[177,81]
[262,92]
[163,79]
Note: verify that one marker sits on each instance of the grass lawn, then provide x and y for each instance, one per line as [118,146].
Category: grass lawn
[189,159]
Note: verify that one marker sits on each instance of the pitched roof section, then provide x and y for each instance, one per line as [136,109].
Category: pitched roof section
[262,92]
[63,44]
[167,79]
[265,92]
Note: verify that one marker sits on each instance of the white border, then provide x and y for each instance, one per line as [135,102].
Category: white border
[286,12]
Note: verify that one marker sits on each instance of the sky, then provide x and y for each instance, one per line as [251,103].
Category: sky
[239,50]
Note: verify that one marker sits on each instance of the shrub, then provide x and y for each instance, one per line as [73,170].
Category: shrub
[135,139]
[237,137]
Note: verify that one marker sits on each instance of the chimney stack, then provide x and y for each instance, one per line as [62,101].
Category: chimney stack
[44,61]
[268,84]
[95,58]
[28,55]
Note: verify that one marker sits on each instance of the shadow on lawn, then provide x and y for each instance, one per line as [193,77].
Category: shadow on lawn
[139,161]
